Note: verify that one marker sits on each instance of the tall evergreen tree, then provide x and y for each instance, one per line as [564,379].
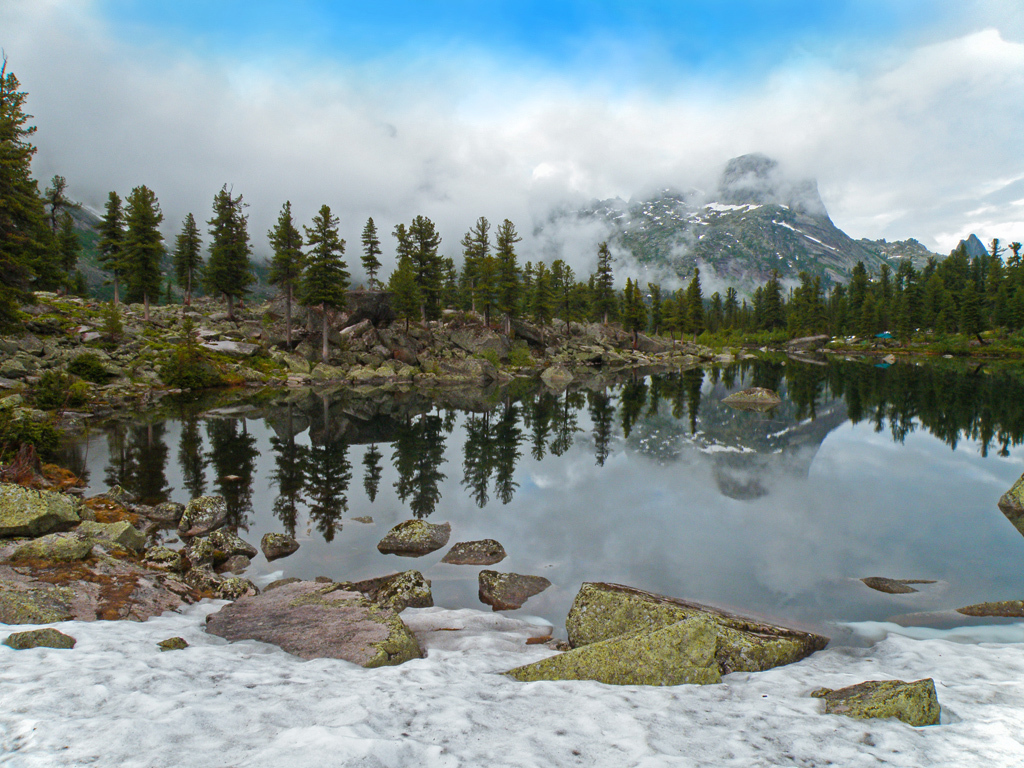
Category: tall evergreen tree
[228,271]
[544,300]
[405,293]
[508,277]
[325,280]
[287,263]
[188,259]
[427,264]
[111,240]
[657,319]
[476,249]
[604,291]
[143,245]
[69,247]
[634,311]
[371,252]
[695,305]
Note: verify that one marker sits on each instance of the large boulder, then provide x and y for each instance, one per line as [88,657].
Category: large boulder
[44,604]
[415,538]
[482,552]
[478,340]
[55,548]
[122,533]
[508,591]
[276,545]
[313,621]
[683,652]
[753,399]
[604,611]
[203,515]
[1012,505]
[914,703]
[374,306]
[25,512]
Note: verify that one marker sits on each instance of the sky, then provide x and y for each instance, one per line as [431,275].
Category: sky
[907,112]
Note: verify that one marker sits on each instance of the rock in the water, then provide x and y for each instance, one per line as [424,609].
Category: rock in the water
[173,644]
[202,515]
[397,591]
[508,591]
[683,652]
[25,512]
[275,545]
[894,586]
[168,512]
[1006,608]
[164,559]
[556,376]
[123,533]
[234,564]
[43,605]
[914,703]
[482,552]
[1012,505]
[39,638]
[753,399]
[55,548]
[604,611]
[415,538]
[313,621]
[118,495]
[228,544]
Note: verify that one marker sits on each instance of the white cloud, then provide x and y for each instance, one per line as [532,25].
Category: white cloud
[918,142]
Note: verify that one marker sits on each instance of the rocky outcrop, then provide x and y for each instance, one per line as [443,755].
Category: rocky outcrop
[482,552]
[1011,504]
[277,545]
[313,621]
[39,638]
[25,512]
[203,515]
[914,703]
[753,399]
[743,644]
[415,538]
[508,591]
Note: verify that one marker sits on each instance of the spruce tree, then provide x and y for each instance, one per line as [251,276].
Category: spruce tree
[143,245]
[543,301]
[695,306]
[424,242]
[657,319]
[604,292]
[188,259]
[57,201]
[69,247]
[476,248]
[111,240]
[371,252]
[325,280]
[405,295]
[228,271]
[508,277]
[286,265]
[634,311]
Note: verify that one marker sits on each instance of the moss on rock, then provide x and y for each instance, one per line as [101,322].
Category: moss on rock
[39,638]
[55,548]
[914,703]
[173,644]
[1012,505]
[45,605]
[26,512]
[123,533]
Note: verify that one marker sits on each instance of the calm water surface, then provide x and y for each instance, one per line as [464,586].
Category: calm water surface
[652,482]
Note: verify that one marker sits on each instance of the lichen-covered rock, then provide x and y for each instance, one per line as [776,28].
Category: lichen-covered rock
[313,621]
[396,591]
[275,545]
[893,586]
[482,552]
[203,515]
[39,638]
[1005,608]
[1011,504]
[200,552]
[683,652]
[55,548]
[119,495]
[753,399]
[167,512]
[42,605]
[914,703]
[603,611]
[164,559]
[173,644]
[235,587]
[26,512]
[234,564]
[508,591]
[415,538]
[123,533]
[228,544]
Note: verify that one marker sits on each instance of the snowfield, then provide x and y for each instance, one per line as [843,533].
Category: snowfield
[116,700]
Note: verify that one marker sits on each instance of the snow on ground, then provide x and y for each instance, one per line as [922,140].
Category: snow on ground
[116,700]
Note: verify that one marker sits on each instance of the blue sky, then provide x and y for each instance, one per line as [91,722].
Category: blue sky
[907,112]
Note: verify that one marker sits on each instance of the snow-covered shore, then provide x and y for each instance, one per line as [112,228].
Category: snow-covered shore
[116,700]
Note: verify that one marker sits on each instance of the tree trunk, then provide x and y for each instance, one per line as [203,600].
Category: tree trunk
[231,307]
[115,290]
[288,317]
[188,290]
[145,304]
[323,352]
[606,318]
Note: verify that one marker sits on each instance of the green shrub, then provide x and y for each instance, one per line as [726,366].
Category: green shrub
[16,432]
[57,390]
[519,356]
[491,356]
[113,327]
[187,369]
[89,367]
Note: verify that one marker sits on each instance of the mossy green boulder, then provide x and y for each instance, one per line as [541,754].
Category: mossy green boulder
[123,533]
[415,538]
[55,548]
[744,644]
[27,512]
[202,515]
[44,605]
[1012,505]
[173,644]
[914,703]
[39,638]
[680,653]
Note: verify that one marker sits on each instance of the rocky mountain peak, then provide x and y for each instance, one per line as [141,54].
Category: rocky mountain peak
[757,179]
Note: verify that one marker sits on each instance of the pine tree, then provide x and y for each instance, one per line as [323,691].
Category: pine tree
[111,240]
[424,241]
[731,307]
[476,249]
[286,265]
[773,314]
[188,258]
[57,201]
[228,271]
[69,247]
[543,301]
[508,278]
[695,306]
[143,245]
[604,291]
[634,311]
[371,250]
[325,280]
[405,295]
[657,318]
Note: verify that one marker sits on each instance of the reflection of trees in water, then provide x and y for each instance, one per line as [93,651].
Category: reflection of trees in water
[191,459]
[328,474]
[538,413]
[631,403]
[138,460]
[371,471]
[418,455]
[693,380]
[602,413]
[566,425]
[478,456]
[507,437]
[289,475]
[233,454]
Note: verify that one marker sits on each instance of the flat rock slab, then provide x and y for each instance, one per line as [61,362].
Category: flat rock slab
[277,545]
[314,621]
[39,638]
[26,512]
[508,591]
[237,349]
[894,586]
[482,552]
[914,703]
[753,399]
[203,515]
[55,548]
[123,533]
[680,653]
[1005,608]
[744,644]
[415,538]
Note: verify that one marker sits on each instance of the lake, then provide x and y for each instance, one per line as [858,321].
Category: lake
[651,481]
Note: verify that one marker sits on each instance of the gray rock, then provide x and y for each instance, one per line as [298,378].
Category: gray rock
[164,559]
[556,376]
[119,495]
[44,604]
[39,638]
[55,548]
[508,591]
[234,564]
[203,515]
[1003,608]
[482,552]
[478,340]
[313,621]
[415,538]
[168,512]
[236,349]
[914,703]
[228,544]
[276,545]
[123,533]
[397,591]
[25,512]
